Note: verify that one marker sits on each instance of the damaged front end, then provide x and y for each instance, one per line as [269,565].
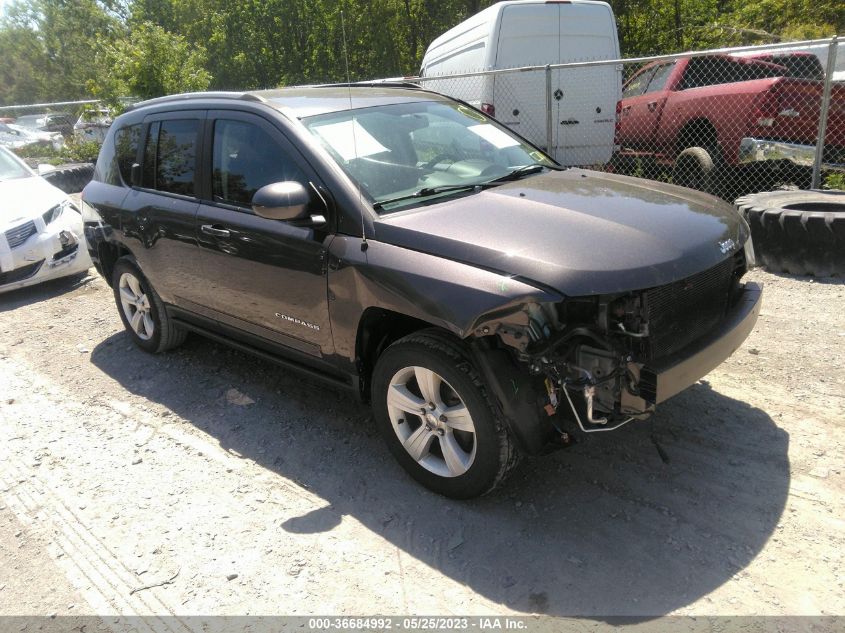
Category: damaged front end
[603,361]
[42,247]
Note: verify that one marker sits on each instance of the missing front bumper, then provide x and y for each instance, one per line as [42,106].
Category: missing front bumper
[662,379]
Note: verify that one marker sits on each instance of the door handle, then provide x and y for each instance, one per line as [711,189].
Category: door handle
[626,110]
[210,229]
[652,106]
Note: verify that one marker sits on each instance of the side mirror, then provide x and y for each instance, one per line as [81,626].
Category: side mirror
[281,201]
[45,168]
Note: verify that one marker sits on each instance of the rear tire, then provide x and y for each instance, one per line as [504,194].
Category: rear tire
[142,310]
[695,169]
[432,409]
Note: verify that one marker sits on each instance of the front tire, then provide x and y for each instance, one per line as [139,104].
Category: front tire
[142,311]
[432,409]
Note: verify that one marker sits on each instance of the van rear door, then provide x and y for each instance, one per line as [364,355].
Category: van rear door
[585,98]
[529,35]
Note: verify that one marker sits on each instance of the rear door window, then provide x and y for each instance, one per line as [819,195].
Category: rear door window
[699,72]
[170,156]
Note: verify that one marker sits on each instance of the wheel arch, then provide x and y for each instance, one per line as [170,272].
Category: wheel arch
[697,132]
[378,328]
[512,391]
[108,253]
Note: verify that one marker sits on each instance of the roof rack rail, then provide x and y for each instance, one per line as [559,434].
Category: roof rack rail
[242,96]
[372,83]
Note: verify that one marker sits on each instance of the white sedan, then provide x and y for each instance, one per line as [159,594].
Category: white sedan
[40,228]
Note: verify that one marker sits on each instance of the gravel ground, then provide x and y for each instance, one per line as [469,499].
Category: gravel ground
[205,481]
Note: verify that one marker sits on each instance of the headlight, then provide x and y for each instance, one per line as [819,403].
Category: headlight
[55,213]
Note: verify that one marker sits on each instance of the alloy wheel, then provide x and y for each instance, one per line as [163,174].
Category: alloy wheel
[136,306]
[431,421]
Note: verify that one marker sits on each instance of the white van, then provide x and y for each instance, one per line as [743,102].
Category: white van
[534,33]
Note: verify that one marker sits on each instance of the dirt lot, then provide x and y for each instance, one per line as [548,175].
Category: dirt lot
[120,470]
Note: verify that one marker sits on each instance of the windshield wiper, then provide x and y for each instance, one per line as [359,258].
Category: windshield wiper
[519,172]
[430,191]
[516,174]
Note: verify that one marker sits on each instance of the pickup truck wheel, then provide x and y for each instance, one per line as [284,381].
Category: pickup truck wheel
[694,168]
[142,310]
[798,232]
[433,411]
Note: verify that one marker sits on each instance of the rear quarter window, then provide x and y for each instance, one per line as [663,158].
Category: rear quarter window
[126,150]
[114,163]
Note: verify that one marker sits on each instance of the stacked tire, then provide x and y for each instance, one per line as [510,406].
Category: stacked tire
[71,178]
[797,232]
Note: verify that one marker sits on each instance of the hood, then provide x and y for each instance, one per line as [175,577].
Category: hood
[579,232]
[25,199]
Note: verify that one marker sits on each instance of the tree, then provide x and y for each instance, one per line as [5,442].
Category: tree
[149,62]
[47,47]
[63,49]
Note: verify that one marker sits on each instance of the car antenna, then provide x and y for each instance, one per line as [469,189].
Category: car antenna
[364,244]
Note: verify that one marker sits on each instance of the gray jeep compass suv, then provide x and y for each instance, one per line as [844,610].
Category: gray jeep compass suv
[405,246]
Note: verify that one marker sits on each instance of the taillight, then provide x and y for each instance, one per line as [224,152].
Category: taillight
[767,108]
[488,108]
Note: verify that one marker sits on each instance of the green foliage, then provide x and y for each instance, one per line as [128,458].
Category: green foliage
[69,49]
[47,46]
[650,27]
[73,151]
[149,62]
[835,180]
[266,43]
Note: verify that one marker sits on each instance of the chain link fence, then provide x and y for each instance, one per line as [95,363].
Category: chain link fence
[727,121]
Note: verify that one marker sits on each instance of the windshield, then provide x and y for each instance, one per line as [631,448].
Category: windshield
[11,167]
[396,151]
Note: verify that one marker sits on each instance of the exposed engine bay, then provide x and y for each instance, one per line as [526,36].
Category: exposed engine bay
[592,354]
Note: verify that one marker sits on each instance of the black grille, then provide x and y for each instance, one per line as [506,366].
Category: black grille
[20,234]
[683,311]
[19,274]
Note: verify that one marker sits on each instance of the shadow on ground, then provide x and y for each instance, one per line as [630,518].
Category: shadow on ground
[604,528]
[810,279]
[44,291]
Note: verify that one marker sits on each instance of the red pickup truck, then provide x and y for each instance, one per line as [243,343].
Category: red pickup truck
[724,124]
